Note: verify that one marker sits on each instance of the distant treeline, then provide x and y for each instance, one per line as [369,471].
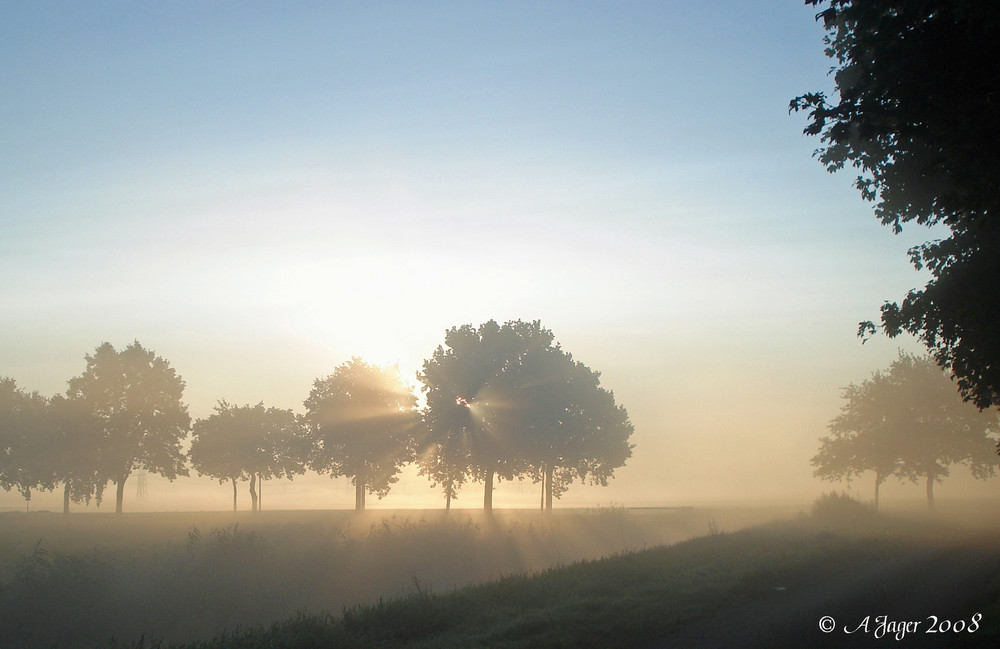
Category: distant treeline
[502,402]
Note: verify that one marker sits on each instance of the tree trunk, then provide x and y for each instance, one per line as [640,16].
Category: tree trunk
[260,493]
[120,493]
[541,498]
[359,494]
[878,483]
[447,500]
[253,492]
[549,471]
[66,497]
[930,491]
[234,493]
[488,492]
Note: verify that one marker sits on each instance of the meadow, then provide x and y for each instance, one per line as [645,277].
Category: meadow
[603,577]
[76,580]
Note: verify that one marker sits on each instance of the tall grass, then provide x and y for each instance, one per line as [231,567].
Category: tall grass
[622,601]
[76,581]
[340,580]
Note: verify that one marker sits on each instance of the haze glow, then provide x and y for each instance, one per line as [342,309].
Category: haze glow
[259,192]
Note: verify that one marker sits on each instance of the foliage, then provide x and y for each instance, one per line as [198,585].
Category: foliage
[471,413]
[504,401]
[46,442]
[842,508]
[362,419]
[863,437]
[572,426]
[916,113]
[908,422]
[136,397]
[74,451]
[244,442]
[24,433]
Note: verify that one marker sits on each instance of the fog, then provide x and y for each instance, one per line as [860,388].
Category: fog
[589,239]
[258,201]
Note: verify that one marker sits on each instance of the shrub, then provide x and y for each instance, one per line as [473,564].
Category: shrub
[842,508]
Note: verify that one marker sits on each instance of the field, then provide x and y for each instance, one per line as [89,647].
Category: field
[396,579]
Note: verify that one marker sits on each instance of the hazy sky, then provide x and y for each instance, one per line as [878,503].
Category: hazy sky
[259,191]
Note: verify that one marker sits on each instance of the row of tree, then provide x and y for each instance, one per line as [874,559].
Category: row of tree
[910,422]
[502,402]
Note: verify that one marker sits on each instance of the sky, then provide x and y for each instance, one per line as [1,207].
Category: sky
[260,191]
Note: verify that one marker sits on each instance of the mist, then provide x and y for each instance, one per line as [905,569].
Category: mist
[314,311]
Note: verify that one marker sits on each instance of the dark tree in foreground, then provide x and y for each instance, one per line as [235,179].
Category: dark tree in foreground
[362,419]
[917,113]
[135,396]
[909,422]
[249,443]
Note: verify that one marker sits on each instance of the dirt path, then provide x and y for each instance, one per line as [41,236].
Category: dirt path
[943,582]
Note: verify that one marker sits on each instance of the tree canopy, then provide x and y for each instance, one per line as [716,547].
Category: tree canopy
[917,112]
[506,401]
[136,397]
[571,426]
[471,412]
[249,443]
[74,450]
[24,432]
[362,419]
[909,422]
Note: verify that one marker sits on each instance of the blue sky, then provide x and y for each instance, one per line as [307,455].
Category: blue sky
[259,191]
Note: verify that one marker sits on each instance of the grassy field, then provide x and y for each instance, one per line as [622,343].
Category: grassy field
[520,579]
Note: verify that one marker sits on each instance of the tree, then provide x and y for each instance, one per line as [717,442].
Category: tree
[248,443]
[24,429]
[863,437]
[917,113]
[136,397]
[445,461]
[74,451]
[572,426]
[910,422]
[940,430]
[471,415]
[362,419]
[504,401]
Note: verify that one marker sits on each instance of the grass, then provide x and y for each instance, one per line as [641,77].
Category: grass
[620,601]
[513,581]
[75,581]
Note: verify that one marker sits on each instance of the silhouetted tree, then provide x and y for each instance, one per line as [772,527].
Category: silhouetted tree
[24,431]
[249,443]
[908,421]
[445,462]
[74,450]
[865,436]
[362,418]
[572,427]
[504,401]
[940,429]
[136,397]
[472,410]
[916,113]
